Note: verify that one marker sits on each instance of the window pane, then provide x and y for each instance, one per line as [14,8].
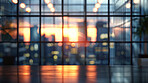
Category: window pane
[120,53]
[51,29]
[120,7]
[8,29]
[73,7]
[120,29]
[29,29]
[8,53]
[97,53]
[29,53]
[74,54]
[29,7]
[97,7]
[74,29]
[97,29]
[54,7]
[51,53]
[7,7]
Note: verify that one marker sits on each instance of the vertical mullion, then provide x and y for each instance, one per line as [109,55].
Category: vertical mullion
[18,33]
[131,14]
[18,41]
[40,33]
[40,63]
[85,26]
[140,22]
[108,32]
[62,33]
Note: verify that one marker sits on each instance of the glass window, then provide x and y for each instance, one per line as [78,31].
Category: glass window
[73,32]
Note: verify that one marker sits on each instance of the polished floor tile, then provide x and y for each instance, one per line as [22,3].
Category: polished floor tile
[73,74]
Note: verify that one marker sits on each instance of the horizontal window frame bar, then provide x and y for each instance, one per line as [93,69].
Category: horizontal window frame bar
[73,15]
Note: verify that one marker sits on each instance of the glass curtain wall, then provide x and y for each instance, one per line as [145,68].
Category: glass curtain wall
[72,32]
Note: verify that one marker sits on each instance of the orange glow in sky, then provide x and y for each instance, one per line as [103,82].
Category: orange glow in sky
[49,30]
[71,31]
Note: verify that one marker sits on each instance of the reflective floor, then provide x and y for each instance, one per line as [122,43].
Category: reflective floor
[73,74]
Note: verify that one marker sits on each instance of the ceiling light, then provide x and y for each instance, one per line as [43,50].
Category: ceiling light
[128,5]
[15,1]
[22,5]
[97,5]
[95,9]
[50,5]
[52,9]
[28,9]
[47,1]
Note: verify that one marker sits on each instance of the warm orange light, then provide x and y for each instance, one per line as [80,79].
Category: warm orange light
[59,44]
[97,5]
[73,44]
[26,32]
[128,5]
[50,5]
[95,9]
[15,1]
[92,33]
[28,9]
[136,1]
[52,9]
[47,1]
[22,5]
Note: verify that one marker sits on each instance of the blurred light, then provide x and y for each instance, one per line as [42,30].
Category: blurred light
[66,47]
[50,44]
[27,55]
[73,44]
[27,46]
[22,5]
[95,9]
[36,47]
[31,48]
[128,5]
[97,5]
[111,45]
[103,36]
[15,1]
[31,61]
[74,51]
[136,1]
[105,49]
[112,35]
[52,9]
[104,44]
[55,52]
[47,1]
[59,44]
[100,1]
[36,55]
[55,57]
[28,9]
[67,60]
[91,62]
[92,56]
[50,5]
[82,56]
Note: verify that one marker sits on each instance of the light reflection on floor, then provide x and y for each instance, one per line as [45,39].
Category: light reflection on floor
[73,74]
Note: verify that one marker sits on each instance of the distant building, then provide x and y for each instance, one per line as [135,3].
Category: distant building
[101,49]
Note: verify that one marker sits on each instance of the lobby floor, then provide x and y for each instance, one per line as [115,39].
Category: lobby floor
[73,74]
